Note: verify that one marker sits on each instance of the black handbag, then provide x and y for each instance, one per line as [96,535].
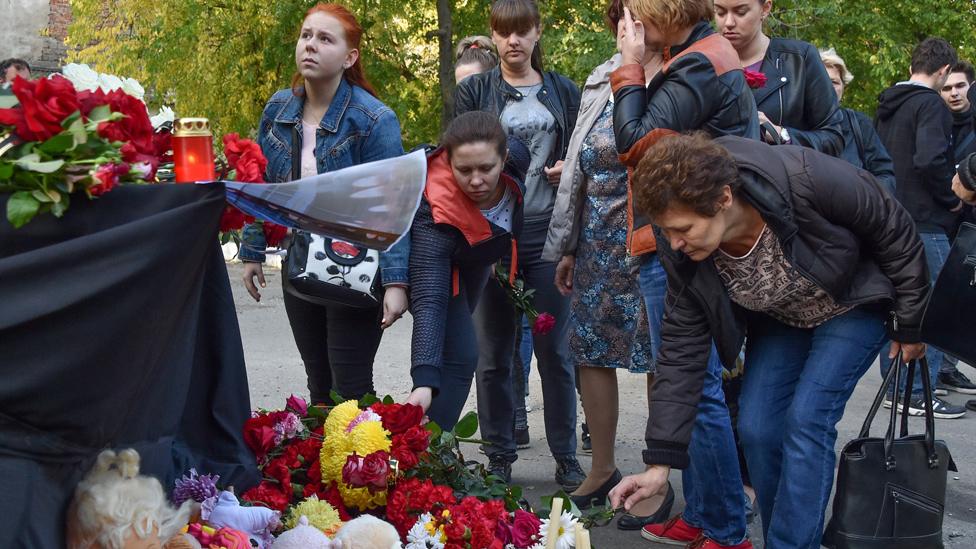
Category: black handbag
[891,491]
[325,271]
[952,303]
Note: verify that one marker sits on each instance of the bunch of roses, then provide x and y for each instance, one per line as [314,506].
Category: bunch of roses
[359,444]
[246,163]
[65,140]
[412,498]
[288,457]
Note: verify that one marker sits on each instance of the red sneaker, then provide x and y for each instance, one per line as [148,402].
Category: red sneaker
[673,532]
[704,543]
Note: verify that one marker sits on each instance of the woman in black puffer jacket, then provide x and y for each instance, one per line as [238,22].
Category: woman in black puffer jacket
[797,98]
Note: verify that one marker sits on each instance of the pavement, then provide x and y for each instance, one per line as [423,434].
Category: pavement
[275,371]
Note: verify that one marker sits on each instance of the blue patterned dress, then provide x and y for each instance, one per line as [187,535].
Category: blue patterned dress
[608,321]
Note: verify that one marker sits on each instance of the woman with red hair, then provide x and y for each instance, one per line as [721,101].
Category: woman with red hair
[330,119]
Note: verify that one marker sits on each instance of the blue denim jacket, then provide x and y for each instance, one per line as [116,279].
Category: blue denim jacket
[357,128]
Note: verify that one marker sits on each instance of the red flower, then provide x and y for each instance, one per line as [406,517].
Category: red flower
[397,418]
[334,498]
[233,146]
[406,459]
[163,145]
[268,495]
[279,471]
[755,80]
[352,471]
[232,219]
[44,104]
[273,234]
[107,177]
[372,471]
[543,324]
[524,528]
[259,435]
[246,157]
[416,438]
[88,100]
[297,404]
[134,130]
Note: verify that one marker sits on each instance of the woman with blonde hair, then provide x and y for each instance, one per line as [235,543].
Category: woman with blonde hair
[862,145]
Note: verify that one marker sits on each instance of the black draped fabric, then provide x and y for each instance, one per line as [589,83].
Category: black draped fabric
[117,329]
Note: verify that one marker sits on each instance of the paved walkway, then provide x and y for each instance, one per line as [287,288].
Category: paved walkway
[275,371]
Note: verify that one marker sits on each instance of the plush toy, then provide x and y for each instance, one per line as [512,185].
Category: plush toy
[222,538]
[367,532]
[303,536]
[116,508]
[224,510]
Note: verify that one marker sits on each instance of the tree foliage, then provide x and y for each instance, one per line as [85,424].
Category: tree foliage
[224,59]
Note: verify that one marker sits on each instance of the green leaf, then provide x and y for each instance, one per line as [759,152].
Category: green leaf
[41,196]
[467,427]
[368,400]
[58,144]
[435,429]
[6,171]
[100,113]
[58,208]
[336,397]
[21,208]
[32,162]
[389,400]
[78,132]
[8,101]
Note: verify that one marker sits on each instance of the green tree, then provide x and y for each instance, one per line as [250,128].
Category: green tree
[224,59]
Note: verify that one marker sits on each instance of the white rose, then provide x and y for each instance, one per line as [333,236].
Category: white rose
[81,76]
[109,82]
[164,115]
[132,87]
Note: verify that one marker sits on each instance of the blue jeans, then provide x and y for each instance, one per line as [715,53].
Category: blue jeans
[712,483]
[936,252]
[460,356]
[796,385]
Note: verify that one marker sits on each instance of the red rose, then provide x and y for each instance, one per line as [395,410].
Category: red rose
[544,323]
[44,104]
[268,495]
[163,145]
[134,127]
[233,146]
[376,471]
[297,404]
[406,459]
[503,532]
[259,435]
[88,100]
[232,219]
[525,528]
[273,234]
[251,166]
[417,439]
[397,418]
[107,177]
[352,472]
[278,470]
[755,80]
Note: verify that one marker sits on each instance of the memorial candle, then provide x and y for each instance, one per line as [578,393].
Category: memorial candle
[193,156]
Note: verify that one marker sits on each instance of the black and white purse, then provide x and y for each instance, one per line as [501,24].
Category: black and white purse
[326,271]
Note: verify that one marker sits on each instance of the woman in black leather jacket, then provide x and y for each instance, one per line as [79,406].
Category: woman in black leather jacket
[796,98]
[540,108]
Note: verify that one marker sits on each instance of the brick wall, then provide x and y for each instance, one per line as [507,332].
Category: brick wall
[35,30]
[53,51]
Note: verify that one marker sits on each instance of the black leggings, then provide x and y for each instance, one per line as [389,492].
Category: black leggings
[337,344]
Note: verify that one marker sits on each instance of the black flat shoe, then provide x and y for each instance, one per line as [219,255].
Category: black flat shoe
[633,522]
[598,496]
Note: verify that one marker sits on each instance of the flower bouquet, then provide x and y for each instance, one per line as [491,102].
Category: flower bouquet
[376,457]
[57,141]
[542,323]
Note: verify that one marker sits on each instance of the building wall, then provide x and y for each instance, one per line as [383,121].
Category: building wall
[34,30]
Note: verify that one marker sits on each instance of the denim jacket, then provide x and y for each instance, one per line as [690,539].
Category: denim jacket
[357,128]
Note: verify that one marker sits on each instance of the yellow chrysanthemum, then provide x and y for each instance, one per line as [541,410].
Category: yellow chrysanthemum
[369,437]
[320,514]
[332,463]
[360,498]
[339,418]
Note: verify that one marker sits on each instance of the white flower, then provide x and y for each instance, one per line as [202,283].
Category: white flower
[566,538]
[132,87]
[109,82]
[422,534]
[164,115]
[81,76]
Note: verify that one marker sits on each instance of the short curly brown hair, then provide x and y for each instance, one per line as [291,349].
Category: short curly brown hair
[689,169]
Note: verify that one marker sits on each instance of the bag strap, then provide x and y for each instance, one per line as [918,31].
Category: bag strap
[296,155]
[879,398]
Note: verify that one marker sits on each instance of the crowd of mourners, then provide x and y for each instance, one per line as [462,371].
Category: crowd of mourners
[700,212]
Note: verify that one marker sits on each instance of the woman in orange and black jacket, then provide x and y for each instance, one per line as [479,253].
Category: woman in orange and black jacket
[469,218]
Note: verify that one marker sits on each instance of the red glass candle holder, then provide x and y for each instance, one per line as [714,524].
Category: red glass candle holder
[193,157]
